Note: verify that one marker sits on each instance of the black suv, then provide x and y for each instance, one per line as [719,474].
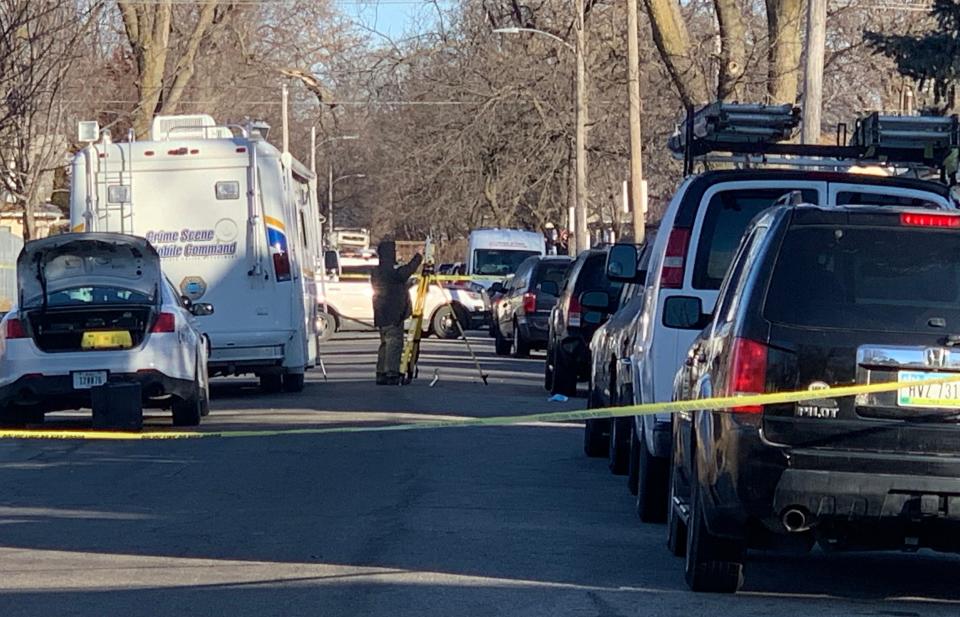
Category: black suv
[521,319]
[816,297]
[572,324]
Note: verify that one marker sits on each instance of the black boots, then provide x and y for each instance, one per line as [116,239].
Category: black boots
[388,379]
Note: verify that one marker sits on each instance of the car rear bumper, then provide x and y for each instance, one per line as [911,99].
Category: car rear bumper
[56,392]
[832,489]
[477,320]
[535,329]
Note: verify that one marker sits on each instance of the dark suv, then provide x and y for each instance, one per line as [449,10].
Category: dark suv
[817,297]
[572,324]
[521,320]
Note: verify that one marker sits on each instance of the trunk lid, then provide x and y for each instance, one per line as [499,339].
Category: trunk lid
[49,268]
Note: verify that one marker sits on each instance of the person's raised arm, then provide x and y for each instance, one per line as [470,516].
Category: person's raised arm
[407,270]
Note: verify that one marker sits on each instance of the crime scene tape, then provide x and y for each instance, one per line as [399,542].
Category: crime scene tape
[709,404]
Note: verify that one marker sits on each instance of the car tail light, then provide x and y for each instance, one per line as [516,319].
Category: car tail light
[166,322]
[675,258]
[929,220]
[281,265]
[573,312]
[15,329]
[529,302]
[748,372]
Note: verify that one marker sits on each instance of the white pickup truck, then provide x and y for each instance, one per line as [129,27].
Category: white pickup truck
[350,303]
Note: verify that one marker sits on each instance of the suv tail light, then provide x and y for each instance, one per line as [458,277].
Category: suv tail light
[281,265]
[166,322]
[573,312]
[15,329]
[529,302]
[915,219]
[671,276]
[748,372]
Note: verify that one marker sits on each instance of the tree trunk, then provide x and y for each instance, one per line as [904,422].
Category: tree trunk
[148,31]
[783,30]
[733,52]
[673,42]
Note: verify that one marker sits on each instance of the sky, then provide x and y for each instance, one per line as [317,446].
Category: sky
[393,18]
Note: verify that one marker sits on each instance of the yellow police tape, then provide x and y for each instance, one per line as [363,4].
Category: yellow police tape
[709,404]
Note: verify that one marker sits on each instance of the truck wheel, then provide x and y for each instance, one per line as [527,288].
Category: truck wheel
[712,564]
[548,371]
[326,326]
[293,382]
[188,411]
[500,345]
[564,376]
[595,440]
[271,384]
[618,455]
[443,324]
[520,348]
[652,478]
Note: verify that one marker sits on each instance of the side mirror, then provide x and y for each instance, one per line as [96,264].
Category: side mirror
[685,312]
[201,309]
[331,262]
[550,288]
[622,263]
[496,288]
[187,302]
[596,300]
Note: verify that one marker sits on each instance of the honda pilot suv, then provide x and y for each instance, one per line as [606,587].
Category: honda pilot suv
[819,297]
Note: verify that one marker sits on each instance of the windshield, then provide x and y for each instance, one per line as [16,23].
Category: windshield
[867,278]
[81,296]
[499,262]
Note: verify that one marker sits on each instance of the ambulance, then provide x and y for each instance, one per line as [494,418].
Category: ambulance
[236,224]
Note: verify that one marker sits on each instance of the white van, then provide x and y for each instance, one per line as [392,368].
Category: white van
[236,224]
[499,252]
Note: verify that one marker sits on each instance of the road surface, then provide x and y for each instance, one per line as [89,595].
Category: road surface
[491,521]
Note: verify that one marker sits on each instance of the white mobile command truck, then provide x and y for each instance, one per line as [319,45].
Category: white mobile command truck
[499,252]
[236,224]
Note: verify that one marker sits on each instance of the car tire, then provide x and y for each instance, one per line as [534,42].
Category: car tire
[500,345]
[676,528]
[618,455]
[595,439]
[633,471]
[519,347]
[548,371]
[18,417]
[564,376]
[271,384]
[712,564]
[327,325]
[652,484]
[293,382]
[188,411]
[442,323]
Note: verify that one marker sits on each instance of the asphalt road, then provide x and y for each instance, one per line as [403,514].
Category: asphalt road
[490,521]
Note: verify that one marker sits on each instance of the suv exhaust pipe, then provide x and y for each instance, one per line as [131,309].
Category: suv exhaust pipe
[795,520]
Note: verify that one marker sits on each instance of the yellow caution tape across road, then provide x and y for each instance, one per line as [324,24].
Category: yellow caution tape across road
[710,404]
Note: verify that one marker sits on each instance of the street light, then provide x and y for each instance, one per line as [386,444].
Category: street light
[581,238]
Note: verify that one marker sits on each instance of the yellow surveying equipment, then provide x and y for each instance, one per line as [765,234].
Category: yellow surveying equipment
[411,346]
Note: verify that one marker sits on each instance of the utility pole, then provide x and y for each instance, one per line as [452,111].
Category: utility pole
[813,71]
[582,235]
[637,185]
[285,120]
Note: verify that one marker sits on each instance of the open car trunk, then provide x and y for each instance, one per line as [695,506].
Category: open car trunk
[88,291]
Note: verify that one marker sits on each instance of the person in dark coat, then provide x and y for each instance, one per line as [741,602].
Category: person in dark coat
[391,307]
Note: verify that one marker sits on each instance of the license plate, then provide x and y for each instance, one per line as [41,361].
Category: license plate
[937,395]
[84,380]
[109,339]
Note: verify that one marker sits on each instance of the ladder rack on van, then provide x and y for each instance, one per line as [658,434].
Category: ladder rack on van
[751,135]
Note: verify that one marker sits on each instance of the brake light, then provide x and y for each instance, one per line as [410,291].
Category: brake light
[281,265]
[15,329]
[671,275]
[748,372]
[573,312]
[529,302]
[166,322]
[929,220]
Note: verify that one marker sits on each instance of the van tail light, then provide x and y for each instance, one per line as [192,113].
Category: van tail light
[15,329]
[748,372]
[166,322]
[915,219]
[281,265]
[529,302]
[573,312]
[671,276]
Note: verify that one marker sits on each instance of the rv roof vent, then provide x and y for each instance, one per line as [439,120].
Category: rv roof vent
[194,126]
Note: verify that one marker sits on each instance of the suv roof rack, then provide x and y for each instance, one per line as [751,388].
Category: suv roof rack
[755,135]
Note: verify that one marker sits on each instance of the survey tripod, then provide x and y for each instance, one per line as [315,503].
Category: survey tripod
[411,344]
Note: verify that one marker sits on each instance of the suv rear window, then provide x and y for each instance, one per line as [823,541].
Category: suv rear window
[858,198]
[727,216]
[593,277]
[867,278]
[552,270]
